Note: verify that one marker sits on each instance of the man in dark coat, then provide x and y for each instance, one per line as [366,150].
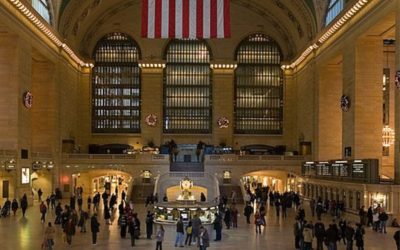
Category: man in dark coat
[349,234]
[248,210]
[149,224]
[95,228]
[319,231]
[24,204]
[332,236]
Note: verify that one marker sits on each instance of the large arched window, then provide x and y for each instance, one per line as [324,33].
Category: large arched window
[187,88]
[116,85]
[334,8]
[258,87]
[43,8]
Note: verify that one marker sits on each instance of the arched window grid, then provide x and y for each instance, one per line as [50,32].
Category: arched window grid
[258,96]
[116,85]
[43,8]
[334,9]
[187,88]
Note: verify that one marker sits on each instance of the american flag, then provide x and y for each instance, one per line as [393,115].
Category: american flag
[186,19]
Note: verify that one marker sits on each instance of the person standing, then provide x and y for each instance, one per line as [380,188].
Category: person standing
[95,228]
[370,216]
[332,236]
[160,237]
[359,237]
[258,222]
[383,217]
[218,227]
[89,202]
[179,233]
[82,221]
[24,204]
[396,238]
[43,211]
[204,239]
[362,214]
[319,231]
[189,231]
[196,223]
[49,236]
[227,218]
[349,234]
[149,224]
[14,206]
[132,230]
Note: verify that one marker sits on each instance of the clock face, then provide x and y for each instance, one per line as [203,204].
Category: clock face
[345,103]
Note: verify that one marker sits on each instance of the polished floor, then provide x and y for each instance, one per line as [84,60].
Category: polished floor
[27,233]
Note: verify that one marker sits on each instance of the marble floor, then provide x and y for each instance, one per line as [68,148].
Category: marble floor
[27,233]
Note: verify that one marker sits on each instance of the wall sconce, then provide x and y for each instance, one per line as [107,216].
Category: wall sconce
[36,165]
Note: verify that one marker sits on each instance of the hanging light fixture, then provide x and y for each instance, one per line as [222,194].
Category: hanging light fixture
[387,136]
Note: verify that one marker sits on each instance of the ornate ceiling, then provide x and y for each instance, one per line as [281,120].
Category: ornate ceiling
[293,24]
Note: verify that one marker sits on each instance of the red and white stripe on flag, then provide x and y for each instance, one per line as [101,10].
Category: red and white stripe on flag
[186,19]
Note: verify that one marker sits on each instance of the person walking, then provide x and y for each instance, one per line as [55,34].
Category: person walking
[179,233]
[160,237]
[359,237]
[227,218]
[189,231]
[298,233]
[82,221]
[132,228]
[349,234]
[248,210]
[204,240]
[149,224]
[319,231]
[49,236]
[14,206]
[308,237]
[24,204]
[40,193]
[69,231]
[258,222]
[123,223]
[234,216]
[43,211]
[95,228]
[332,236]
[396,238]
[312,207]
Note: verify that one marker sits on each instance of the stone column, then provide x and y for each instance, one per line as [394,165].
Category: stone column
[329,116]
[397,102]
[362,83]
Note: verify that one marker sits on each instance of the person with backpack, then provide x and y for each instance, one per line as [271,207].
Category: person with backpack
[319,231]
[396,238]
[43,211]
[359,236]
[95,228]
[189,231]
[308,237]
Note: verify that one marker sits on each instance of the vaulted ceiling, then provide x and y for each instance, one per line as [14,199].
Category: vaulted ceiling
[293,24]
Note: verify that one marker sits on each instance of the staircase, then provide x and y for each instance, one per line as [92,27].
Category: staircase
[140,192]
[227,191]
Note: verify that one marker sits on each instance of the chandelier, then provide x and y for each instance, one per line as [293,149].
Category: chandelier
[387,136]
